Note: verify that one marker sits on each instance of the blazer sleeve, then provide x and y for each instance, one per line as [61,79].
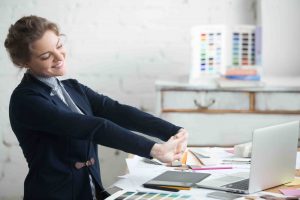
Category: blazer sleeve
[31,112]
[129,117]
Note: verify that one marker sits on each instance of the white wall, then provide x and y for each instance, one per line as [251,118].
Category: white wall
[116,47]
[280,20]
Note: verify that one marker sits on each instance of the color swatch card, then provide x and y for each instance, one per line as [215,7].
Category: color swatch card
[222,50]
[208,43]
[130,195]
[243,46]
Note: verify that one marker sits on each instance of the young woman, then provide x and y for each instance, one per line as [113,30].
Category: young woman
[60,123]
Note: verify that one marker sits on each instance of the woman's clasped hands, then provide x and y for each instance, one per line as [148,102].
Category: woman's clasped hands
[172,149]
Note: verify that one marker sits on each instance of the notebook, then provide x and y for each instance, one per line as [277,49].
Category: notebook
[175,180]
[273,161]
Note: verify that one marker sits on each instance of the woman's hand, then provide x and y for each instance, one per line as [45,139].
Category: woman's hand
[172,149]
[182,133]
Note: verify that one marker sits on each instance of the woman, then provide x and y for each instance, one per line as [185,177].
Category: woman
[59,123]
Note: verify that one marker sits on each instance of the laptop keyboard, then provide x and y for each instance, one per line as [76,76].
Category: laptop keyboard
[241,185]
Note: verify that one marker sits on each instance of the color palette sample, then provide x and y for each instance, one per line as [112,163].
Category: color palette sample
[210,51]
[243,46]
[208,55]
[217,48]
[151,196]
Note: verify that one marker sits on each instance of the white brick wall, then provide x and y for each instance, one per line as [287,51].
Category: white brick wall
[116,47]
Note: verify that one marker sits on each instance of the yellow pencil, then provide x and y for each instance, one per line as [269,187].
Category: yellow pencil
[184,158]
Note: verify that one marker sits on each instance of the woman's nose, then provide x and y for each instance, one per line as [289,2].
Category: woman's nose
[58,56]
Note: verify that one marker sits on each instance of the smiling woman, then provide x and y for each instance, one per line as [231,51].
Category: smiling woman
[42,49]
[60,123]
[47,56]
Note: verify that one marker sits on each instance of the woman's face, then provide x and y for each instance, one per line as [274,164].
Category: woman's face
[47,56]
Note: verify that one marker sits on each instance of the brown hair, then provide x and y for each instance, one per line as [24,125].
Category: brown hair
[22,34]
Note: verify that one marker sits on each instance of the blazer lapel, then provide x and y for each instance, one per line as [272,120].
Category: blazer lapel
[44,88]
[78,99]
[57,101]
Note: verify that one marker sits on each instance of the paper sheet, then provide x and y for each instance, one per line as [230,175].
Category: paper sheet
[291,192]
[144,169]
[216,155]
[139,173]
[298,161]
[296,181]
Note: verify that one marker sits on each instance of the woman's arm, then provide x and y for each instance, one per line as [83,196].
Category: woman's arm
[32,113]
[129,117]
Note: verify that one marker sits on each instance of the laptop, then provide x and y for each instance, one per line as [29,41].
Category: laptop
[273,161]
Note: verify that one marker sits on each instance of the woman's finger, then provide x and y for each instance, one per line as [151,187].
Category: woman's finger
[179,142]
[177,156]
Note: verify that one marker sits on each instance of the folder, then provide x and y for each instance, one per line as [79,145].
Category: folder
[175,180]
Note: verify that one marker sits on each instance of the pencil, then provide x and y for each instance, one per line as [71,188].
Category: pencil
[184,158]
[209,168]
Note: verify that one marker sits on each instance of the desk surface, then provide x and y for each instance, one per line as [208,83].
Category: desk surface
[272,85]
[276,189]
[140,172]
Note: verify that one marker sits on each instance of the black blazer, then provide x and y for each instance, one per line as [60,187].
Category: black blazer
[54,139]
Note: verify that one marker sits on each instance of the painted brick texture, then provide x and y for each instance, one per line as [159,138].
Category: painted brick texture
[116,47]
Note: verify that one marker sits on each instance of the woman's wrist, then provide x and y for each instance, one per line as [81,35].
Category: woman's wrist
[155,150]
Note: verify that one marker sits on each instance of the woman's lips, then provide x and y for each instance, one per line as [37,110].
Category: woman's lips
[59,64]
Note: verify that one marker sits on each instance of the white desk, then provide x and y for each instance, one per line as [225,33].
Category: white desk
[226,116]
[140,172]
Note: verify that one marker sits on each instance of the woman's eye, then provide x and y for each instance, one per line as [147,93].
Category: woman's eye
[45,57]
[60,46]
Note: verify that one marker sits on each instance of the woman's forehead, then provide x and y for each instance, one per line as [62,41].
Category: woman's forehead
[46,43]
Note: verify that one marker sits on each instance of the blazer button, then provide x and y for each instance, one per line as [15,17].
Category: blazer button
[79,165]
